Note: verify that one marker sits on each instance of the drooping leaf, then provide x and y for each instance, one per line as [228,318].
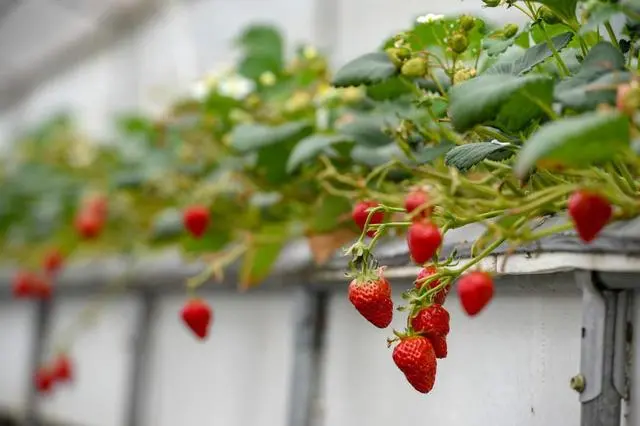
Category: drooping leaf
[262,253]
[576,141]
[532,56]
[512,102]
[310,147]
[323,246]
[329,213]
[464,157]
[367,69]
[250,137]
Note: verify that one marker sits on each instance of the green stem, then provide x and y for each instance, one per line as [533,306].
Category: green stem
[484,253]
[612,34]
[550,231]
[563,67]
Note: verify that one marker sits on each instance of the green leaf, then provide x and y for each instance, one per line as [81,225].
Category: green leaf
[367,130]
[329,213]
[587,97]
[428,154]
[495,45]
[565,9]
[576,141]
[367,69]
[512,102]
[532,56]
[372,157]
[262,254]
[310,147]
[250,137]
[464,157]
[596,80]
[167,225]
[391,88]
[263,50]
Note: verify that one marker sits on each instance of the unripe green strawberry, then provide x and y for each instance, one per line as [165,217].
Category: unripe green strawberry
[398,55]
[491,3]
[414,68]
[463,74]
[510,30]
[548,16]
[458,43]
[415,357]
[467,22]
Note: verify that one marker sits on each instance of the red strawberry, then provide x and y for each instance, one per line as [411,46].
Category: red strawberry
[360,213]
[432,320]
[42,288]
[475,290]
[23,284]
[196,220]
[424,240]
[416,358]
[197,315]
[441,295]
[53,261]
[439,344]
[415,200]
[43,380]
[88,225]
[62,369]
[590,212]
[372,298]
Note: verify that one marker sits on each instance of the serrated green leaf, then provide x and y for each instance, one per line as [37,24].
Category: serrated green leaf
[250,137]
[428,154]
[512,102]
[391,88]
[576,141]
[532,56]
[367,69]
[464,157]
[310,147]
[497,45]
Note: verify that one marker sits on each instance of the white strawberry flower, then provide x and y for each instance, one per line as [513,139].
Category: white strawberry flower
[236,87]
[429,18]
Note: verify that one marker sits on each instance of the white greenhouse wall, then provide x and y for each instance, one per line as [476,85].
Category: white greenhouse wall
[185,40]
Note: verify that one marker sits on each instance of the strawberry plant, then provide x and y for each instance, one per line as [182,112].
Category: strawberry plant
[452,122]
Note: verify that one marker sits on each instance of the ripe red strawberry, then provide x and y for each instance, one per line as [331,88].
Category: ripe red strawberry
[88,225]
[371,296]
[197,315]
[53,261]
[360,213]
[23,284]
[415,200]
[589,212]
[475,290]
[439,344]
[424,239]
[196,220]
[438,297]
[62,370]
[43,380]
[416,358]
[432,320]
